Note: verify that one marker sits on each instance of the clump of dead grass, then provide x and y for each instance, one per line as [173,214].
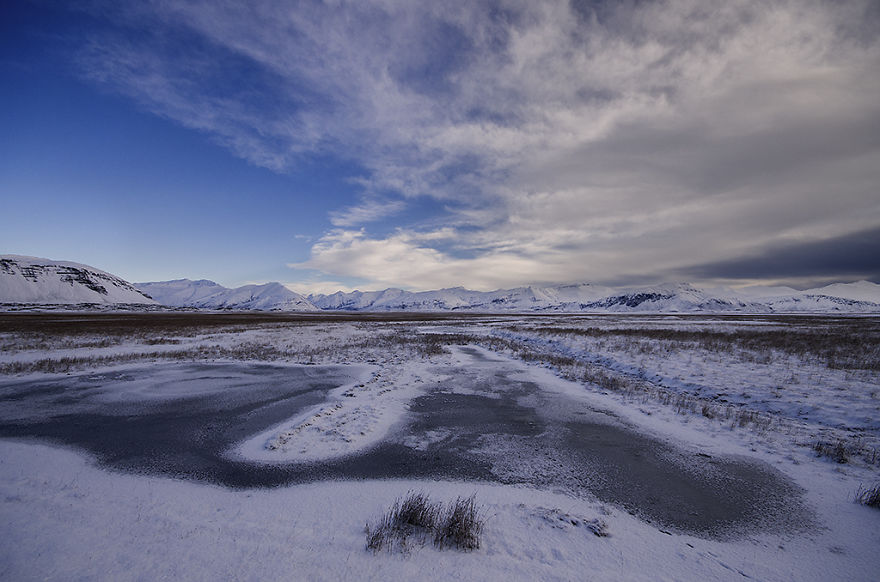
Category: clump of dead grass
[415,520]
[837,452]
[869,496]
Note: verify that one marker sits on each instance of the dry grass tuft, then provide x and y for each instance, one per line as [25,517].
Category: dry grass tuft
[414,519]
[869,496]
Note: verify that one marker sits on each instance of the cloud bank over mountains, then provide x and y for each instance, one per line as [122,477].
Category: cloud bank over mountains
[553,141]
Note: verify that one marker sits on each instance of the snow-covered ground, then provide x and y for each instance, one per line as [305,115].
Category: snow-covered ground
[799,391]
[66,517]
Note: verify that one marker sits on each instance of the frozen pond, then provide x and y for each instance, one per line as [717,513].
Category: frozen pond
[481,421]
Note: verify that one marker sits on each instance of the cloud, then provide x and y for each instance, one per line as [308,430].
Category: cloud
[370,210]
[564,141]
[852,256]
[406,260]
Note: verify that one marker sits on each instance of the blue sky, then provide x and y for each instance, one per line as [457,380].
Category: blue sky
[371,144]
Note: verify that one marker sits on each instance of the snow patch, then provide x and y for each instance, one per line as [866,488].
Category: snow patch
[355,417]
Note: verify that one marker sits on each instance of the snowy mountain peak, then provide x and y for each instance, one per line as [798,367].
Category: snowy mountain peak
[34,280]
[205,294]
[857,291]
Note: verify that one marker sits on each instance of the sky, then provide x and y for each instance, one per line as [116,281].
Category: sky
[380,143]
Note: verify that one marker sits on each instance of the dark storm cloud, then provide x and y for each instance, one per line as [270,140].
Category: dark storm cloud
[854,255]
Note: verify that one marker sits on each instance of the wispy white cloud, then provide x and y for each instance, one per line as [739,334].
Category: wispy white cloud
[369,210]
[567,141]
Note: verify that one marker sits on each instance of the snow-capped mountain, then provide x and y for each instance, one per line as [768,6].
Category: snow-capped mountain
[205,294]
[561,298]
[860,297]
[32,280]
[182,292]
[459,298]
[356,300]
[858,291]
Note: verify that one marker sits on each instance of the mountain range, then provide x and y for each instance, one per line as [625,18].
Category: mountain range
[30,280]
[204,294]
[860,297]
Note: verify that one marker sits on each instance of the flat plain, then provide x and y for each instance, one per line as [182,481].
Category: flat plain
[258,445]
